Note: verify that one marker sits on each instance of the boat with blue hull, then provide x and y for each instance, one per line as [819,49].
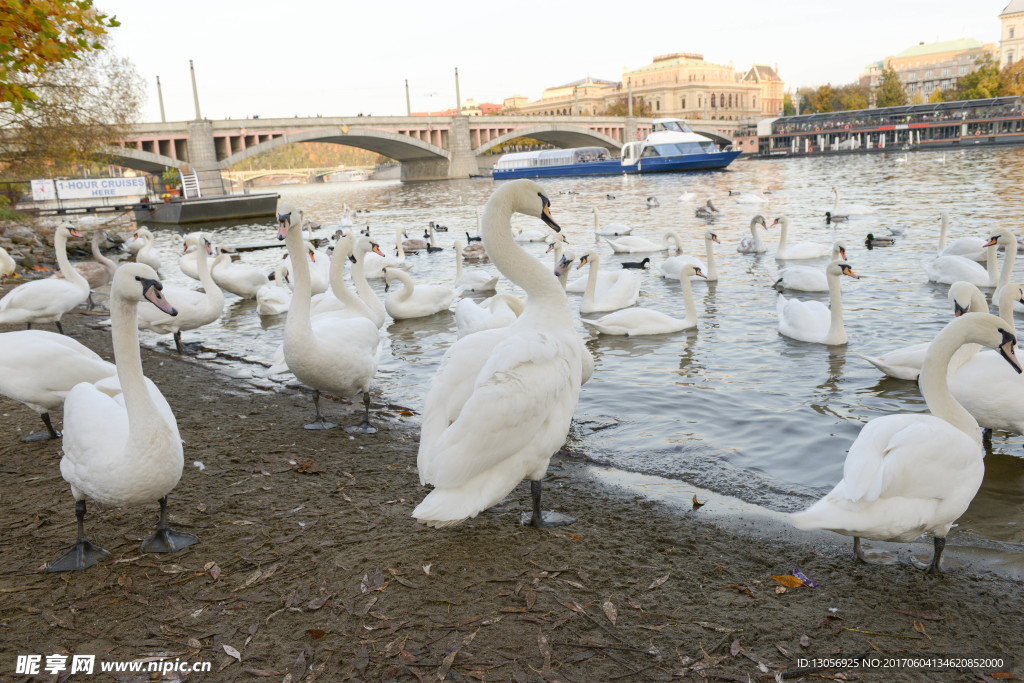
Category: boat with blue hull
[671,147]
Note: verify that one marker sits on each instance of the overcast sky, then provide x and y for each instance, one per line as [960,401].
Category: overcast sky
[340,58]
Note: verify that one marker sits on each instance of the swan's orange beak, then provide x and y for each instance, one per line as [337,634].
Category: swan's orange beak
[847,270]
[1006,350]
[545,214]
[992,241]
[696,271]
[842,252]
[583,262]
[312,256]
[74,232]
[377,250]
[151,290]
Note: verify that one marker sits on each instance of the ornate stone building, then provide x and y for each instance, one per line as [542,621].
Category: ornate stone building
[926,67]
[1011,40]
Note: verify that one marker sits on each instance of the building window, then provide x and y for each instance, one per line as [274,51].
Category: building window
[683,103]
[1009,56]
[712,99]
[1011,38]
[657,105]
[928,73]
[963,70]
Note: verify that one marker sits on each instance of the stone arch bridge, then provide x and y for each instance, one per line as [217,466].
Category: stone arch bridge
[428,147]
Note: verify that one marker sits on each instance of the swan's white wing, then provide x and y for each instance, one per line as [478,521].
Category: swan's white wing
[521,403]
[42,297]
[39,368]
[950,269]
[95,429]
[111,386]
[803,320]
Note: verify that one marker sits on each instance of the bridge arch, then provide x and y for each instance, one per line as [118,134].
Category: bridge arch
[139,160]
[555,134]
[392,145]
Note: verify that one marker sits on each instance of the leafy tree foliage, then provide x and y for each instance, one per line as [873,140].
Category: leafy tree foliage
[1012,79]
[980,83]
[36,35]
[890,92]
[936,96]
[788,107]
[621,107]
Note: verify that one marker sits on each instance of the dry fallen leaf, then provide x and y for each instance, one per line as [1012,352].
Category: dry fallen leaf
[734,649]
[805,641]
[696,503]
[232,652]
[316,633]
[610,611]
[195,644]
[789,581]
[779,590]
[658,582]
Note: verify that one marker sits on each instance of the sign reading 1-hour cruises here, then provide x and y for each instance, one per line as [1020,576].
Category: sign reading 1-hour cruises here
[89,188]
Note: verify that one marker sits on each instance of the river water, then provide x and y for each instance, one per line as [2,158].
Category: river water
[732,407]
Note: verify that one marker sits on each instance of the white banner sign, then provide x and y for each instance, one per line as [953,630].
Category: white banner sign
[43,190]
[92,188]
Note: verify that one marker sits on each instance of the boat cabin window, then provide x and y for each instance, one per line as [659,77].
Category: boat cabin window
[680,148]
[675,126]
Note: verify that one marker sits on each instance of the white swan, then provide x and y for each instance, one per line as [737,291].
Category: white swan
[635,245]
[813,321]
[612,229]
[500,310]
[531,235]
[749,197]
[474,279]
[188,262]
[335,354]
[148,253]
[413,300]
[851,210]
[619,291]
[7,265]
[276,298]
[950,268]
[1007,240]
[375,264]
[806,278]
[688,197]
[752,243]
[799,251]
[99,271]
[909,474]
[39,368]
[906,362]
[340,300]
[45,301]
[634,322]
[134,243]
[122,450]
[241,279]
[194,309]
[671,267]
[502,400]
[968,247]
[993,396]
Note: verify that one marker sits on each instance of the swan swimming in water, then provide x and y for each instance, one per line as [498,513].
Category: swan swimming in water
[122,449]
[910,474]
[502,400]
[672,267]
[752,243]
[806,278]
[799,251]
[634,322]
[813,321]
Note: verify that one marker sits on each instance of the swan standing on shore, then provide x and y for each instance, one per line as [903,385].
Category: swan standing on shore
[910,474]
[97,272]
[813,321]
[335,354]
[672,267]
[752,243]
[502,400]
[806,278]
[39,368]
[45,301]
[125,449]
[634,322]
[194,309]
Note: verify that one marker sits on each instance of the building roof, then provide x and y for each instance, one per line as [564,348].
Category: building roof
[584,81]
[666,61]
[762,72]
[1014,7]
[943,46]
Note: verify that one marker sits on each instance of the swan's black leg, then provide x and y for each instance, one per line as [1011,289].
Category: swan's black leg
[986,435]
[28,326]
[366,427]
[59,328]
[177,342]
[82,554]
[319,422]
[165,539]
[50,433]
[539,518]
[933,568]
[92,304]
[858,554]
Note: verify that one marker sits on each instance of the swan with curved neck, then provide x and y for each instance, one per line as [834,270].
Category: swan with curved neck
[806,278]
[45,301]
[948,269]
[195,309]
[473,280]
[634,322]
[413,300]
[910,474]
[502,399]
[1006,239]
[375,264]
[97,272]
[812,321]
[336,354]
[752,243]
[800,250]
[968,247]
[634,245]
[241,279]
[672,267]
[612,229]
[148,254]
[275,299]
[619,290]
[122,450]
[340,298]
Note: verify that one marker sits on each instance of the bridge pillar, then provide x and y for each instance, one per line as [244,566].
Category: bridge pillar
[460,144]
[202,156]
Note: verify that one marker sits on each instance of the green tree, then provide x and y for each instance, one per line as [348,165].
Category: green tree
[982,83]
[890,92]
[918,98]
[78,107]
[621,107]
[36,35]
[936,96]
[1012,79]
[788,108]
[852,96]
[822,99]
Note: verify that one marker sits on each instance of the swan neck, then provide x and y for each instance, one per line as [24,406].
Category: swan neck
[297,322]
[98,256]
[514,262]
[1009,258]
[398,244]
[124,333]
[366,292]
[458,263]
[1007,296]
[835,303]
[942,231]
[592,263]
[70,273]
[934,383]
[691,306]
[709,249]
[407,285]
[783,235]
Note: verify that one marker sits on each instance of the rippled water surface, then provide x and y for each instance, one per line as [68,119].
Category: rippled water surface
[732,406]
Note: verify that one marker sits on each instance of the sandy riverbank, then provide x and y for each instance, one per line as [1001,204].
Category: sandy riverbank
[310,565]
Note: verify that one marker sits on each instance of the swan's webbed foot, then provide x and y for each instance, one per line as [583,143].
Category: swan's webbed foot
[319,422]
[365,427]
[186,349]
[540,519]
[48,435]
[166,539]
[83,554]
